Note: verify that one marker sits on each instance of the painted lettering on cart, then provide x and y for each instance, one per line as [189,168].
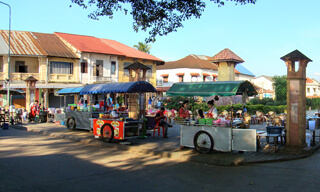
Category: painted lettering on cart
[116,125]
[99,123]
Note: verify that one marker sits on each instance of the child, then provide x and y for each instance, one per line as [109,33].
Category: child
[24,115]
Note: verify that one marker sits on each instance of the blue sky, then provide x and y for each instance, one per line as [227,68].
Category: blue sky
[260,34]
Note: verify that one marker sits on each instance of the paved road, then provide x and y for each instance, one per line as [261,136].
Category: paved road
[30,162]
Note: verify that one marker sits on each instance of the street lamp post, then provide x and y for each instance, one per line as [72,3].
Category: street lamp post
[8,81]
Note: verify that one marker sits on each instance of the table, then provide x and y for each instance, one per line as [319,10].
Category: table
[275,138]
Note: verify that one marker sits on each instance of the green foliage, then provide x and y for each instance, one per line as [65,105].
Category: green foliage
[280,84]
[314,103]
[158,17]
[143,47]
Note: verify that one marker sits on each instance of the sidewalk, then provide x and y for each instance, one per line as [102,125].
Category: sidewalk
[170,147]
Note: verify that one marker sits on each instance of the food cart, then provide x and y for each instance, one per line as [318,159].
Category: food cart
[103,124]
[204,138]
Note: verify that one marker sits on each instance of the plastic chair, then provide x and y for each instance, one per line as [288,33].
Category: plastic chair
[158,127]
[247,120]
[276,121]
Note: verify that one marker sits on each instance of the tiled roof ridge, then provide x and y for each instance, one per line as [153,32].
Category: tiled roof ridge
[76,34]
[227,55]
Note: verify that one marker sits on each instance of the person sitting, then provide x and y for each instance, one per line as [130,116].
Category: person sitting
[200,114]
[160,121]
[212,113]
[184,112]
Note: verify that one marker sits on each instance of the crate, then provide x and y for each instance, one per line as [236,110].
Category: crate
[57,122]
[209,121]
[202,121]
[274,129]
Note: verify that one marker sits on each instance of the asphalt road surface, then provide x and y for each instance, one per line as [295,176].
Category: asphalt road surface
[30,162]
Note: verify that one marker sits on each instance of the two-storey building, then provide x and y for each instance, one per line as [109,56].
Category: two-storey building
[42,56]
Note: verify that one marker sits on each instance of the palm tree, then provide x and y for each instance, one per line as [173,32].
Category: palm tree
[143,47]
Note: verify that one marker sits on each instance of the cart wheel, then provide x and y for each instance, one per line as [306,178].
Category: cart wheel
[203,142]
[107,133]
[71,124]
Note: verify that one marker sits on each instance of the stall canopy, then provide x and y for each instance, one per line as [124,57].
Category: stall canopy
[129,87]
[12,92]
[70,91]
[207,89]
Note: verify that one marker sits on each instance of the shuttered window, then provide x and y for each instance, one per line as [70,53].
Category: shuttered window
[61,67]
[113,67]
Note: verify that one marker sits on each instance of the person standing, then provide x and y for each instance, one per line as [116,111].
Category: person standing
[184,112]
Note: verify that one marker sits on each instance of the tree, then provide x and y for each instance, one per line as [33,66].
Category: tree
[143,47]
[280,84]
[160,17]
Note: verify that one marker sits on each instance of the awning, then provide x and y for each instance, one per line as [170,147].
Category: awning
[214,75]
[12,91]
[163,89]
[164,75]
[69,91]
[129,87]
[205,74]
[207,89]
[194,74]
[180,74]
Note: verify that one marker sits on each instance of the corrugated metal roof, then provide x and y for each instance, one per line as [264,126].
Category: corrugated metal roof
[4,48]
[22,43]
[129,51]
[88,44]
[53,45]
[243,70]
[129,87]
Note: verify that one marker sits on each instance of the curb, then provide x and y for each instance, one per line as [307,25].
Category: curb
[183,155]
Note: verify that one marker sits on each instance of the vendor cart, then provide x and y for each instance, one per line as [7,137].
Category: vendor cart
[104,125]
[204,138]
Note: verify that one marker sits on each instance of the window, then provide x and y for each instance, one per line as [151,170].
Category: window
[308,90]
[98,68]
[113,67]
[314,90]
[204,78]
[181,78]
[61,67]
[165,79]
[21,67]
[126,71]
[84,67]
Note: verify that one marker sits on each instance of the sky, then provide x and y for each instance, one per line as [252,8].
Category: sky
[259,33]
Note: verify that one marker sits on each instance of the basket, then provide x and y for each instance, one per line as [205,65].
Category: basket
[274,129]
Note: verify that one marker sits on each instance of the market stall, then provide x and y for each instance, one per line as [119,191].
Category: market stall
[105,122]
[207,136]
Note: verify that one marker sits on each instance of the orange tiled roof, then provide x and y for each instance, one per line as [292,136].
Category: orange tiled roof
[309,80]
[194,74]
[236,71]
[190,61]
[88,44]
[226,55]
[129,51]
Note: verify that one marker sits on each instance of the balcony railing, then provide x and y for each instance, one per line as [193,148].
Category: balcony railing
[103,79]
[23,76]
[63,78]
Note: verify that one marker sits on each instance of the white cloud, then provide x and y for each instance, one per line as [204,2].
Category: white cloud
[316,73]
